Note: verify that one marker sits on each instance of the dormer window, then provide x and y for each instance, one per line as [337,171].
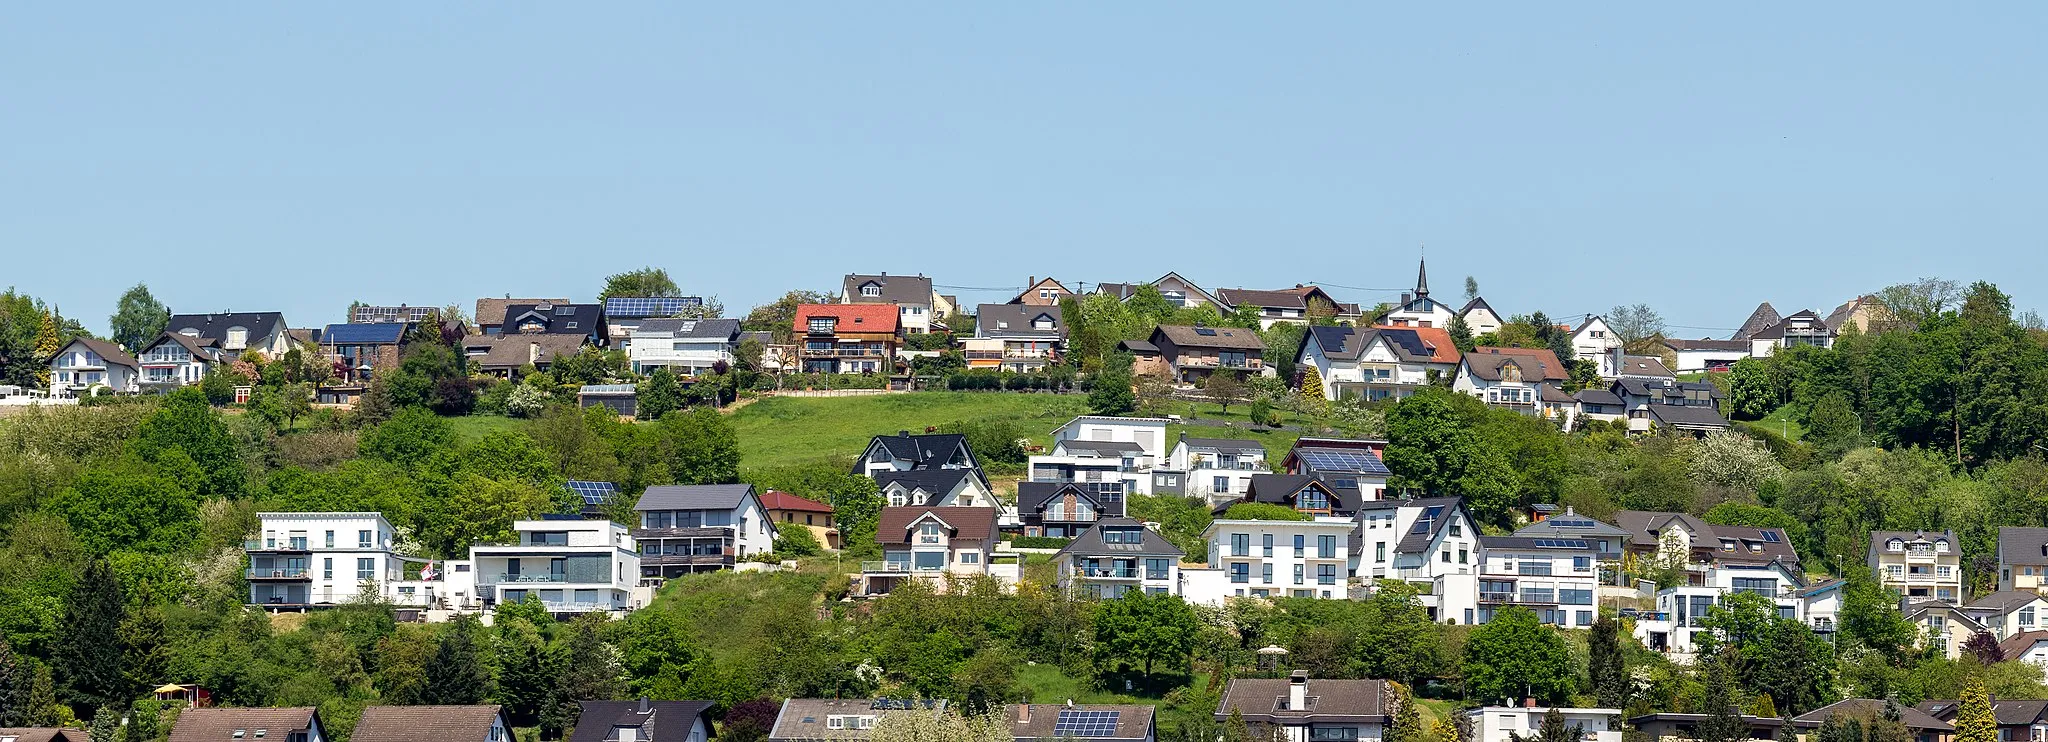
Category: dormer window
[1311,498]
[1896,545]
[823,325]
[928,533]
[870,289]
[1941,547]
[237,338]
[1727,544]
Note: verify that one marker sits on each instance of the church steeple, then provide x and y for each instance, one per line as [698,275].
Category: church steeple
[1422,278]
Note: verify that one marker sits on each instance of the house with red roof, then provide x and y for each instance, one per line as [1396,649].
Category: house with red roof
[784,507]
[847,338]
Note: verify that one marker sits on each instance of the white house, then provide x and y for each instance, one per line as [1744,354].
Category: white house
[935,487]
[2009,613]
[686,347]
[1417,309]
[1508,723]
[699,528]
[1514,378]
[304,560]
[913,296]
[1118,556]
[1557,578]
[1480,317]
[1821,605]
[570,564]
[1431,543]
[174,360]
[86,364]
[1707,354]
[1218,470]
[1804,327]
[1593,340]
[1282,558]
[2026,646]
[933,543]
[236,332]
[906,452]
[1096,449]
[1376,363]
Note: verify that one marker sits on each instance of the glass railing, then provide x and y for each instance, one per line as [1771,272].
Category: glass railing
[257,573]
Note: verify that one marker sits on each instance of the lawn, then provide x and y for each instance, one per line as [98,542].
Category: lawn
[473,427]
[1048,685]
[781,431]
[1783,421]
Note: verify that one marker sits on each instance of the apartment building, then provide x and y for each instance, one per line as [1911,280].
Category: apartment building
[847,338]
[570,564]
[2023,558]
[1282,558]
[303,560]
[1918,565]
[1119,556]
[1431,543]
[699,528]
[1557,578]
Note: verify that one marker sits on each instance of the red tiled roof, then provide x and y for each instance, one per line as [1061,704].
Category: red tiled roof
[852,317]
[777,500]
[1442,350]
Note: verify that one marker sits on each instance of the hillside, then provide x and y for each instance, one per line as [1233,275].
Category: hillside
[781,431]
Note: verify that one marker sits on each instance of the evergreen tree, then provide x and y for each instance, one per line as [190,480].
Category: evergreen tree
[41,709]
[1309,398]
[1112,391]
[105,726]
[527,673]
[660,395]
[1975,721]
[1461,334]
[1408,725]
[1236,729]
[87,655]
[15,681]
[456,676]
[48,342]
[1605,666]
[1553,729]
[1839,728]
[1719,701]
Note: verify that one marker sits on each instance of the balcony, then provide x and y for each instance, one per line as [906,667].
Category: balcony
[686,560]
[1239,466]
[684,532]
[984,355]
[1206,362]
[847,352]
[523,579]
[297,545]
[885,567]
[279,573]
[1127,573]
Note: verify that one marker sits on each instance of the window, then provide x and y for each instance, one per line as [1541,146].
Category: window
[1266,544]
[1457,528]
[1300,546]
[1266,573]
[928,533]
[1299,574]
[1462,556]
[1326,574]
[1581,564]
[1447,556]
[1575,597]
[870,290]
[1311,498]
[1157,568]
[2027,616]
[1379,552]
[823,325]
[970,557]
[1764,586]
[548,538]
[1240,573]
[362,539]
[1240,544]
[366,568]
[330,539]
[1585,618]
[327,568]
[1221,484]
[1326,547]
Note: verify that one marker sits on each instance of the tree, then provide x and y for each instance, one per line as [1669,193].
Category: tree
[527,672]
[1396,640]
[1984,647]
[1407,723]
[456,675]
[659,395]
[1553,729]
[138,318]
[1635,324]
[1144,630]
[779,317]
[1514,656]
[187,424]
[408,437]
[1110,391]
[1606,668]
[87,656]
[1223,388]
[649,281]
[702,447]
[1751,394]
[15,681]
[796,540]
[1734,460]
[1719,700]
[1309,398]
[1833,427]
[947,725]
[1461,334]
[1471,288]
[1975,721]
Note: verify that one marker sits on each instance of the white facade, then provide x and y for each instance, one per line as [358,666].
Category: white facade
[572,566]
[1148,432]
[1378,372]
[1675,626]
[1420,311]
[1116,557]
[1594,341]
[659,346]
[1558,583]
[1506,723]
[168,363]
[1481,319]
[966,491]
[78,369]
[302,560]
[1278,558]
[2008,614]
[1214,472]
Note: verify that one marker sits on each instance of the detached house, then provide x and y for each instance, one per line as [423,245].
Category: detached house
[1417,309]
[699,528]
[1690,407]
[1707,355]
[1218,470]
[931,543]
[847,338]
[1554,577]
[1804,327]
[1116,557]
[1597,342]
[490,313]
[1118,452]
[686,347]
[85,364]
[624,314]
[1065,509]
[642,721]
[502,355]
[217,724]
[814,516]
[1015,337]
[358,349]
[2023,558]
[1918,565]
[1042,293]
[1377,363]
[1180,291]
[235,333]
[176,359]
[1306,710]
[1431,543]
[439,723]
[569,564]
[910,297]
[1274,307]
[1281,558]
[1527,380]
[961,487]
[1480,317]
[1191,354]
[906,452]
[585,321]
[1351,466]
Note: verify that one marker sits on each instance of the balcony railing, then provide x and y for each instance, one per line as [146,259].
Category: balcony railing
[279,573]
[845,352]
[297,544]
[1201,362]
[1113,573]
[884,567]
[684,532]
[542,577]
[1239,466]
[984,355]
[685,560]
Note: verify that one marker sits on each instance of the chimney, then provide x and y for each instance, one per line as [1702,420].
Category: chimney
[1529,703]
[1405,296]
[644,705]
[1024,709]
[533,352]
[1297,691]
[903,433]
[1028,283]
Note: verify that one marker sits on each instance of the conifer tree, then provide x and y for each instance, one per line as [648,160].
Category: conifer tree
[456,676]
[1974,719]
[87,655]
[1605,666]
[1719,702]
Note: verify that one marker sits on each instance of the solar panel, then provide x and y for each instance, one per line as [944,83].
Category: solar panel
[1085,723]
[1557,523]
[1428,519]
[1771,536]
[362,332]
[593,493]
[649,306]
[1338,459]
[1205,331]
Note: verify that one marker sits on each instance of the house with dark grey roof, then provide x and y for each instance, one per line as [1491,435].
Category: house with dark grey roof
[1609,540]
[939,487]
[624,314]
[933,544]
[1015,337]
[1065,509]
[176,359]
[906,452]
[912,295]
[1302,493]
[686,347]
[215,724]
[1717,560]
[1191,354]
[1918,565]
[1047,722]
[1480,317]
[235,333]
[1423,541]
[548,318]
[2009,612]
[643,721]
[1651,404]
[1218,470]
[86,364]
[1307,709]
[2018,719]
[2023,558]
[490,313]
[1273,307]
[43,734]
[1177,290]
[1802,328]
[1376,363]
[1116,556]
[1351,466]
[358,349]
[1921,725]
[687,528]
[816,719]
[504,355]
[478,723]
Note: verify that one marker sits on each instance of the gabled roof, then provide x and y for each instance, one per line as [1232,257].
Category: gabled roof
[894,525]
[438,723]
[1777,329]
[1032,496]
[202,348]
[1041,722]
[2019,644]
[492,311]
[1571,523]
[895,289]
[363,333]
[513,351]
[1281,489]
[1878,539]
[1913,718]
[216,724]
[779,500]
[2022,545]
[1477,302]
[806,719]
[1645,366]
[694,496]
[1424,530]
[1842,314]
[1759,320]
[1537,364]
[1090,542]
[1409,344]
[1032,290]
[1686,416]
[1261,298]
[867,318]
[1259,701]
[657,721]
[935,481]
[1138,347]
[1597,396]
[1209,337]
[109,352]
[215,326]
[710,329]
[924,451]
[2002,602]
[1017,320]
[1310,291]
[555,319]
[44,734]
[1127,290]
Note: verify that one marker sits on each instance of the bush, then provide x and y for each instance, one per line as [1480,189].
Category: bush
[1040,542]
[796,540]
[1263,511]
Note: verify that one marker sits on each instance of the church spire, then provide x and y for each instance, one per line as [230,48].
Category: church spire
[1422,278]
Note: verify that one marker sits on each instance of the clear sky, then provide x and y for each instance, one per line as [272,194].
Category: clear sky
[295,156]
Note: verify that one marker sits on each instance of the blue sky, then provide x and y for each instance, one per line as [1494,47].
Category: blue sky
[297,157]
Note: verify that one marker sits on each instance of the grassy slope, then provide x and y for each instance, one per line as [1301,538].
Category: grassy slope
[474,427]
[1784,421]
[779,431]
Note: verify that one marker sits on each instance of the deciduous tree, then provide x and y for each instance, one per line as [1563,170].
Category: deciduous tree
[1110,391]
[1142,631]
[648,281]
[1513,655]
[138,318]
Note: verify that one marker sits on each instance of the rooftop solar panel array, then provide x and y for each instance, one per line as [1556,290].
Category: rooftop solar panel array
[593,493]
[1085,723]
[1342,459]
[649,306]
[362,332]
